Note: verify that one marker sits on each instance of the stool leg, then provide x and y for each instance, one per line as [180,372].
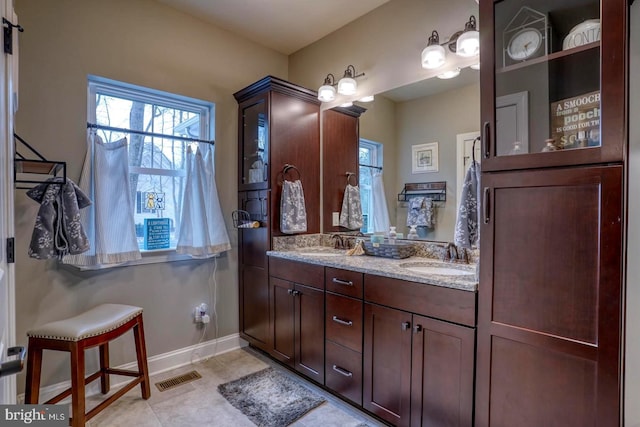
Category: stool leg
[104,365]
[141,354]
[34,367]
[77,386]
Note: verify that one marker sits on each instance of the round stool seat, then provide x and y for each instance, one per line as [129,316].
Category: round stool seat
[96,321]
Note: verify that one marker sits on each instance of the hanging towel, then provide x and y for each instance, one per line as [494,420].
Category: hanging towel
[351,214]
[421,212]
[379,201]
[467,230]
[58,230]
[293,214]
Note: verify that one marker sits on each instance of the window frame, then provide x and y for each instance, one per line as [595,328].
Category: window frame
[206,110]
[377,157]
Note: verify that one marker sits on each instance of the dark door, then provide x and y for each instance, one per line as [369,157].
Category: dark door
[549,322]
[254,305]
[309,335]
[442,374]
[282,311]
[387,363]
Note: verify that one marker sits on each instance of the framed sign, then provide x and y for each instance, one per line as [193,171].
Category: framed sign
[575,122]
[424,158]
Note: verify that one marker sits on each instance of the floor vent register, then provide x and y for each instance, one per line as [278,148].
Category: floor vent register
[177,381]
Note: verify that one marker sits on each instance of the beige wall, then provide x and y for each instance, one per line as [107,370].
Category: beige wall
[632,355]
[385,44]
[149,44]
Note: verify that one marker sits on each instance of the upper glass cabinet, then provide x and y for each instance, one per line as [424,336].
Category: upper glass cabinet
[254,144]
[553,85]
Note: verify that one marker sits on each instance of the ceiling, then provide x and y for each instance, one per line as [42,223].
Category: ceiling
[282,25]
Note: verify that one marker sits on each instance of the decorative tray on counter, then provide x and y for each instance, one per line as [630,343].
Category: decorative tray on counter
[389,250]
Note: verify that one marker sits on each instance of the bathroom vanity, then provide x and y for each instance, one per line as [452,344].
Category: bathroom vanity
[379,332]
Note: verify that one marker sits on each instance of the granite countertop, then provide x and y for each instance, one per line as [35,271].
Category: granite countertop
[329,257]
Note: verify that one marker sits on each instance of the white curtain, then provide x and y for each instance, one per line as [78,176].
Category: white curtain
[202,231]
[109,221]
[380,211]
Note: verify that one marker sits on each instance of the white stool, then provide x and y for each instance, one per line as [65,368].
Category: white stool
[95,327]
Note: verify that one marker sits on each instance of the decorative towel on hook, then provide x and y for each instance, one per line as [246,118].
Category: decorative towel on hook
[421,212]
[467,230]
[351,213]
[293,214]
[58,230]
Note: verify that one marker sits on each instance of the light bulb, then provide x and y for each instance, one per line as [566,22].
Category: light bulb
[347,86]
[326,93]
[433,56]
[449,74]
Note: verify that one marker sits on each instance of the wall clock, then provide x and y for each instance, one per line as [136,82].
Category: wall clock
[526,36]
[525,44]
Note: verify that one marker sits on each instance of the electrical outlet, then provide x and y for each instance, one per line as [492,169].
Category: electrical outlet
[335,219]
[200,311]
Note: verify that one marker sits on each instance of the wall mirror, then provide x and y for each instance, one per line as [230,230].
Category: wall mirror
[433,110]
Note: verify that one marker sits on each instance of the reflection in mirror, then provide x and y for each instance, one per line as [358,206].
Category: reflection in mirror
[406,122]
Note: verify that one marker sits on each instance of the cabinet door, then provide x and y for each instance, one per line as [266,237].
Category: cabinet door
[553,70]
[309,332]
[254,242]
[387,363]
[549,324]
[254,306]
[442,374]
[282,322]
[253,134]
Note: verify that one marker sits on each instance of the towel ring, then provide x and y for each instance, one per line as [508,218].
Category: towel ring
[285,170]
[349,175]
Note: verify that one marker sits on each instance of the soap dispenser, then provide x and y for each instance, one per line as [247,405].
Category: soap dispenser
[413,234]
[392,235]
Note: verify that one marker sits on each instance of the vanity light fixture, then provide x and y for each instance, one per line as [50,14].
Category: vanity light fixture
[449,74]
[347,104]
[327,91]
[433,56]
[468,43]
[475,66]
[347,84]
[367,98]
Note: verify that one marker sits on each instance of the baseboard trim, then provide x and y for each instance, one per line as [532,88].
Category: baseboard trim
[157,364]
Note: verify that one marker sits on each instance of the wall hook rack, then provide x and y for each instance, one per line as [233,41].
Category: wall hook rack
[436,191]
[35,164]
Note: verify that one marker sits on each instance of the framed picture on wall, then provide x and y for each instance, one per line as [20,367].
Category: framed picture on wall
[424,158]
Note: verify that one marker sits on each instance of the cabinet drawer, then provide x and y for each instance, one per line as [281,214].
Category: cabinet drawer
[343,369]
[298,272]
[453,305]
[344,321]
[343,282]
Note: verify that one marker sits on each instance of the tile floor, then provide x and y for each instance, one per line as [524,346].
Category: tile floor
[198,403]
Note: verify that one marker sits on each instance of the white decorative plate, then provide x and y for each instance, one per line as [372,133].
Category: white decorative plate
[584,33]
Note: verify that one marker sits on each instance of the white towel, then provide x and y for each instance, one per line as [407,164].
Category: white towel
[351,214]
[293,214]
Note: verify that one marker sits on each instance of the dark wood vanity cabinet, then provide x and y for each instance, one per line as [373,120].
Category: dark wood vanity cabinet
[418,371]
[297,316]
[278,124]
[551,292]
[343,327]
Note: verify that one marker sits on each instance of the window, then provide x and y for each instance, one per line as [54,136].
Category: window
[157,164]
[371,155]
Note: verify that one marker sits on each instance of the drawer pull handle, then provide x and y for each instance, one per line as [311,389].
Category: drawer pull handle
[342,322]
[343,282]
[342,371]
[405,326]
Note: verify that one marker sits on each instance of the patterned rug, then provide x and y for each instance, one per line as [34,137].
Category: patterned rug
[270,398]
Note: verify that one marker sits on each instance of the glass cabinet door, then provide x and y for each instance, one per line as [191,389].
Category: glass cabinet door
[550,91]
[254,145]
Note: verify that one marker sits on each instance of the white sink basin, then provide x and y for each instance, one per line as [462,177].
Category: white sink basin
[443,270]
